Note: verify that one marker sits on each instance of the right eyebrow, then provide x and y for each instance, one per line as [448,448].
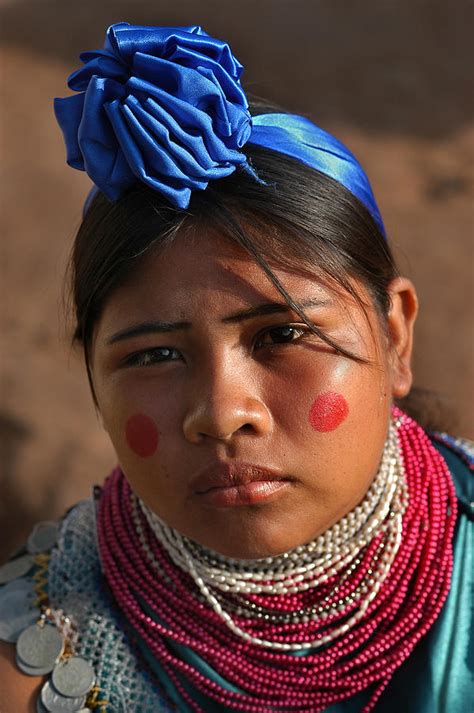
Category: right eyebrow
[161,327]
[150,327]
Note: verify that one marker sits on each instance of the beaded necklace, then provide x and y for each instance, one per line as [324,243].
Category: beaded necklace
[355,601]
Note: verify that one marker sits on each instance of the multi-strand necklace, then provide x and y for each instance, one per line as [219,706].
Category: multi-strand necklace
[305,629]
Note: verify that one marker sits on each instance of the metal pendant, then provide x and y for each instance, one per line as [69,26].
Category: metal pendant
[73,677]
[43,537]
[39,706]
[21,550]
[32,670]
[16,568]
[17,609]
[56,703]
[23,585]
[40,646]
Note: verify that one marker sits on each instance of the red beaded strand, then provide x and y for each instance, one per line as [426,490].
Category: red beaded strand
[402,612]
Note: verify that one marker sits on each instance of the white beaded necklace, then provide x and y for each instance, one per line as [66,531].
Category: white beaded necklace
[338,550]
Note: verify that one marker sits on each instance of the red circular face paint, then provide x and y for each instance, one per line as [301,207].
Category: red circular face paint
[328,411]
[142,435]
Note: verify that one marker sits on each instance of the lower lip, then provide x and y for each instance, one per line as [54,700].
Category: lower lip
[248,494]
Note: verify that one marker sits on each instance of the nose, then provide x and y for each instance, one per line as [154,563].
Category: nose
[223,403]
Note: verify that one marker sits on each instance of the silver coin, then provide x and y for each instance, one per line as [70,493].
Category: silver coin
[32,670]
[16,568]
[40,646]
[39,706]
[43,537]
[21,550]
[17,608]
[17,611]
[23,585]
[55,703]
[73,677]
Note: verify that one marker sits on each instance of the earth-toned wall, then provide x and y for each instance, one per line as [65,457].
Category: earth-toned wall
[391,78]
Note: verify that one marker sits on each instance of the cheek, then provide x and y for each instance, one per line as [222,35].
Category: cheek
[328,411]
[141,435]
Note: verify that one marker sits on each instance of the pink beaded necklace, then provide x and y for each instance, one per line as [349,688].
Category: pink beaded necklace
[367,603]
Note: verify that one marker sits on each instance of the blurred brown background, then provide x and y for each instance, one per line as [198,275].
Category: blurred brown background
[393,79]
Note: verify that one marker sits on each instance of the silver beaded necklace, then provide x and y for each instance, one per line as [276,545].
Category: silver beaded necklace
[338,551]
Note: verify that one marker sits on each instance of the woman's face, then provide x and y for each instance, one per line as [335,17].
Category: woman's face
[231,420]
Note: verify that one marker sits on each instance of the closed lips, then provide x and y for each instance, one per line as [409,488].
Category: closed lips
[231,475]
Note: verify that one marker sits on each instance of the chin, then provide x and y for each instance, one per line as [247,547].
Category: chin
[253,531]
[252,540]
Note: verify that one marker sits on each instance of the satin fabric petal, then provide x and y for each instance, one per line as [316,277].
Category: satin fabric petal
[99,64]
[99,147]
[69,114]
[174,42]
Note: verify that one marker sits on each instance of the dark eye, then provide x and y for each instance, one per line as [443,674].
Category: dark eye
[148,357]
[280,335]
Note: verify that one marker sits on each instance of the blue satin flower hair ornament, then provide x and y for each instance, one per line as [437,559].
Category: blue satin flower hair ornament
[164,106]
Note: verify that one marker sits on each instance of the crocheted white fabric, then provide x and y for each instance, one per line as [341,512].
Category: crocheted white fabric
[75,585]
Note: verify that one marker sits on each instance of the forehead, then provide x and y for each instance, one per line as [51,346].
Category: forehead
[202,269]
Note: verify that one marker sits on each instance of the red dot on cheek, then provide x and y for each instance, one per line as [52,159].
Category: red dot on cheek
[328,411]
[142,435]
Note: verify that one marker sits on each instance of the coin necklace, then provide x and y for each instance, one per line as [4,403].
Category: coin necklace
[44,645]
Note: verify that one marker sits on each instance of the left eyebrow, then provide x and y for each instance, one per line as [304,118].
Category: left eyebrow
[158,327]
[272,308]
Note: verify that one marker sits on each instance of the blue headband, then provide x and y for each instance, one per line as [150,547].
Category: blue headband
[164,105]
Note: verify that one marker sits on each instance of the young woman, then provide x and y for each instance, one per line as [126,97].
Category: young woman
[278,534]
